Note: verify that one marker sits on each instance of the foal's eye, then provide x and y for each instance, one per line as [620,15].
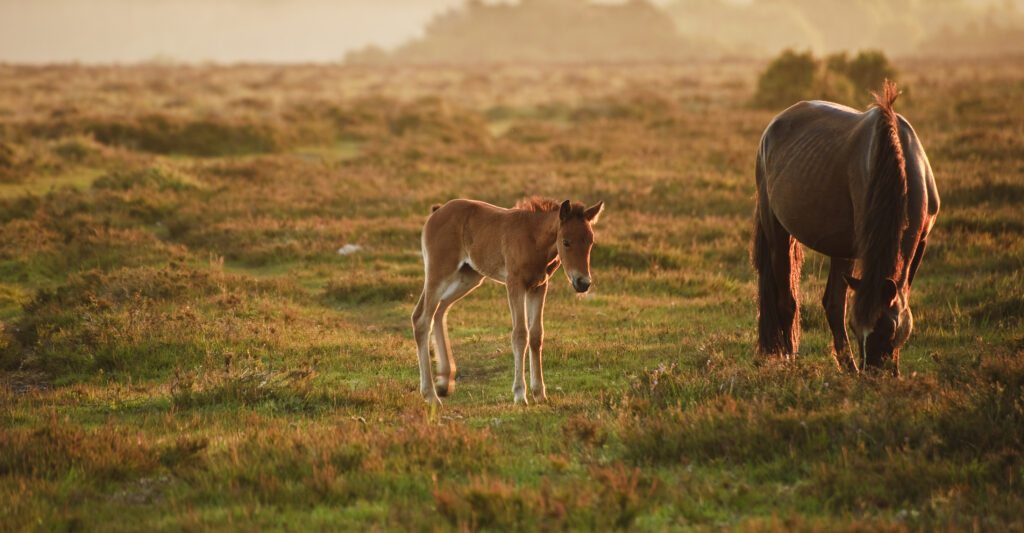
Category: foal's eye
[565,242]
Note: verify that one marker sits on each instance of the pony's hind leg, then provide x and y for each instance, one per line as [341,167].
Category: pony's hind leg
[834,302]
[777,257]
[535,316]
[464,281]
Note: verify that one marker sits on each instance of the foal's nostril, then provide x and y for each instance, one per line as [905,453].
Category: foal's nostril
[581,285]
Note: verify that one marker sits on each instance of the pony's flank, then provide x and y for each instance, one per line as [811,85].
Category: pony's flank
[881,228]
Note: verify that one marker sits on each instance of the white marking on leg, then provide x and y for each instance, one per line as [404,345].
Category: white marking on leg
[520,339]
[519,342]
[863,347]
[421,330]
[535,317]
[453,287]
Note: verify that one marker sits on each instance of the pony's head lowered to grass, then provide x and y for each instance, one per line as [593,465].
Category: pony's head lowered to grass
[881,337]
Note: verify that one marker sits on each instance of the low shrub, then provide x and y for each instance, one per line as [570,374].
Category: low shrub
[157,177]
[165,135]
[793,76]
[788,79]
[357,288]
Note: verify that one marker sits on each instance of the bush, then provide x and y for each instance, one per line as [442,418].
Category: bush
[204,138]
[788,79]
[9,161]
[156,177]
[792,77]
[358,289]
[77,149]
[868,71]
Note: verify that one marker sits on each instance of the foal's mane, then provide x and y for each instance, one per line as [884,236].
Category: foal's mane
[881,229]
[540,203]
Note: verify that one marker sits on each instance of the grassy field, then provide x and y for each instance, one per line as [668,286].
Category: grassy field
[183,347]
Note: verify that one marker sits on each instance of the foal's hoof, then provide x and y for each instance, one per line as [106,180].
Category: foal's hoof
[520,398]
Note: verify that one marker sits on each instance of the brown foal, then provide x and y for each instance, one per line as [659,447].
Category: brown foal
[465,241]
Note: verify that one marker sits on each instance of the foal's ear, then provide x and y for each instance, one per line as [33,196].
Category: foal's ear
[563,212]
[594,212]
[851,281]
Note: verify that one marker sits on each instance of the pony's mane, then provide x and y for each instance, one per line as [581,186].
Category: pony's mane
[540,203]
[880,230]
[885,103]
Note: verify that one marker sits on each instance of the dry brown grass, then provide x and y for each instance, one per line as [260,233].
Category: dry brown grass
[183,347]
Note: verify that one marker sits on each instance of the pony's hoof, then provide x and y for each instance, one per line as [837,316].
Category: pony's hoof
[520,398]
[540,397]
[444,388]
[430,396]
[846,365]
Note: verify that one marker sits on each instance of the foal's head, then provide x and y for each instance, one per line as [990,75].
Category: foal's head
[881,337]
[575,238]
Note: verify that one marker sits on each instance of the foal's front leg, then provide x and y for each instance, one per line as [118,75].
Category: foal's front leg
[516,301]
[535,316]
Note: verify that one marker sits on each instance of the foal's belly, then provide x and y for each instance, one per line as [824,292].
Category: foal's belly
[493,269]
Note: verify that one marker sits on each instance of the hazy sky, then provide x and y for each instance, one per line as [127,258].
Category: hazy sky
[91,31]
[201,30]
[105,31]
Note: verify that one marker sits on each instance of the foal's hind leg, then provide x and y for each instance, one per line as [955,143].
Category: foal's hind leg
[834,302]
[462,284]
[422,321]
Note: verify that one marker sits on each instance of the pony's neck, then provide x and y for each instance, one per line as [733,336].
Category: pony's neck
[880,235]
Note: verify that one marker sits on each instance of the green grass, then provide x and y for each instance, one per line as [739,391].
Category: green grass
[80,179]
[182,346]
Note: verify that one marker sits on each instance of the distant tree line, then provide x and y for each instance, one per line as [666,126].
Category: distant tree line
[900,27]
[580,31]
[543,31]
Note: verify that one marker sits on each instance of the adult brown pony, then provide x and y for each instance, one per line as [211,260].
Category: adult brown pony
[465,241]
[858,188]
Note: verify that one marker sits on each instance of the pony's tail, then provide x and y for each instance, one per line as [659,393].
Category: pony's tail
[778,304]
[885,216]
[769,323]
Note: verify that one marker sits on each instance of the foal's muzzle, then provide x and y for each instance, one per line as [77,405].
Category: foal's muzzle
[581,284]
